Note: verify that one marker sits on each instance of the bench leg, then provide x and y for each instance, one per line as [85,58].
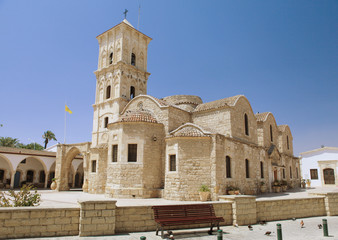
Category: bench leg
[211,227]
[162,234]
[156,229]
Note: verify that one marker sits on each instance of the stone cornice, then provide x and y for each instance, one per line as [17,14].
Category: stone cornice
[121,65]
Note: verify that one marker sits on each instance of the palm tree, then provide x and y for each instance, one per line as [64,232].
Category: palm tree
[48,135]
[8,142]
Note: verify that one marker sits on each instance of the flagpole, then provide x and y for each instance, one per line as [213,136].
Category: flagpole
[64,141]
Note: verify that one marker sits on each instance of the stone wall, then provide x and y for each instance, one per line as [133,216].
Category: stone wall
[99,218]
[271,210]
[19,222]
[141,218]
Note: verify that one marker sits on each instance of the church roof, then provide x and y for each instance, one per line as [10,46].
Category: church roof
[189,130]
[138,116]
[261,117]
[282,127]
[125,21]
[230,101]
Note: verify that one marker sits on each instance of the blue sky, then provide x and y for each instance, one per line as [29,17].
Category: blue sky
[282,55]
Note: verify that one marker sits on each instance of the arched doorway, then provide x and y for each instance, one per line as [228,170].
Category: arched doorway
[79,176]
[72,161]
[28,172]
[329,177]
[5,172]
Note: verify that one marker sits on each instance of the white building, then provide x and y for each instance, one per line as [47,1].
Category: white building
[320,166]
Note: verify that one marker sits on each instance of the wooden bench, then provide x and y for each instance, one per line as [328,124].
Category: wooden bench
[173,215]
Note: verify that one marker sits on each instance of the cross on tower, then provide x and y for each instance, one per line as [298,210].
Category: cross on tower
[125,13]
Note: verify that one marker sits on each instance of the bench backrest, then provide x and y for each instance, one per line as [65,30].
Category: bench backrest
[183,211]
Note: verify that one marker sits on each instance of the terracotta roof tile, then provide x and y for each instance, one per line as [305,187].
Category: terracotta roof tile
[138,116]
[189,132]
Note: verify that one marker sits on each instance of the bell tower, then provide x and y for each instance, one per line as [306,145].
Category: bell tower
[121,75]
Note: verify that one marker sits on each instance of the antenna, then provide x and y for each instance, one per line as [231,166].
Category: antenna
[138,20]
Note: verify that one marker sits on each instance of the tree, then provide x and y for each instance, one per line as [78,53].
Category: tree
[8,142]
[34,146]
[48,135]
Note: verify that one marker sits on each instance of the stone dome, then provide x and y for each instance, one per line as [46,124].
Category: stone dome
[186,102]
[138,116]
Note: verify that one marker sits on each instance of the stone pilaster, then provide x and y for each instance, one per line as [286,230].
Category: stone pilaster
[243,208]
[97,218]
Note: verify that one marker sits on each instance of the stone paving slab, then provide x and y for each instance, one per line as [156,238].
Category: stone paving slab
[291,230]
[71,198]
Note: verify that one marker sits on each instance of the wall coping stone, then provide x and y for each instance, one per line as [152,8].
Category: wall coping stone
[289,199]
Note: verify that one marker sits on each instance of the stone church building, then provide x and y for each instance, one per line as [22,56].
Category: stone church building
[145,147]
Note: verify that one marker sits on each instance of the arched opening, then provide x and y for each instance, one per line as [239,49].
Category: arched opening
[271,136]
[6,170]
[73,167]
[290,172]
[228,166]
[106,119]
[28,172]
[132,92]
[329,177]
[108,91]
[262,169]
[111,55]
[133,59]
[79,175]
[246,124]
[51,175]
[287,142]
[247,173]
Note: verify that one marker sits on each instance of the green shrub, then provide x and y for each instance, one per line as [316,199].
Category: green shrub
[204,188]
[22,198]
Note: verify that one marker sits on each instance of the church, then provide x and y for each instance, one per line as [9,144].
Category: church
[145,147]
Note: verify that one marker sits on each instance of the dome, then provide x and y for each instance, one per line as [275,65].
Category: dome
[138,116]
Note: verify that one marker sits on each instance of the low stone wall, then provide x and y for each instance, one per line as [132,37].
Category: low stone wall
[141,218]
[18,222]
[95,218]
[271,210]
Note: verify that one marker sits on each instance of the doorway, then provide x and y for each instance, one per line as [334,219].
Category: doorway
[329,176]
[17,179]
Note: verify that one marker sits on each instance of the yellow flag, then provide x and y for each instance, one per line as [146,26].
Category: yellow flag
[68,110]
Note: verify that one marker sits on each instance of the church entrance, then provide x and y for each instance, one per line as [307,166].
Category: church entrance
[329,176]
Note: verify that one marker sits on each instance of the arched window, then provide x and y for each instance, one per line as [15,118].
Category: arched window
[111,55]
[283,173]
[108,91]
[133,59]
[105,122]
[287,142]
[262,170]
[132,92]
[271,136]
[246,124]
[247,173]
[228,166]
[30,176]
[290,172]
[42,176]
